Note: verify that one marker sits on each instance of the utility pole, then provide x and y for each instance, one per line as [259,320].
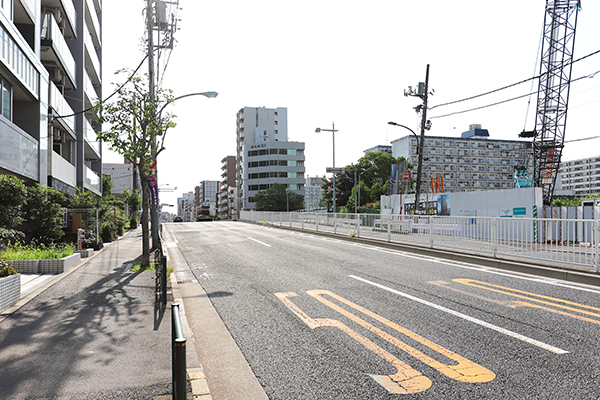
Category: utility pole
[422,92]
[152,89]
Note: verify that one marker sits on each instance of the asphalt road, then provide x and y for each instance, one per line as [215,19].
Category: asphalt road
[318,318]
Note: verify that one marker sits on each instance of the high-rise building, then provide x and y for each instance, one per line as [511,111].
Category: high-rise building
[227,189]
[50,73]
[582,176]
[471,162]
[264,155]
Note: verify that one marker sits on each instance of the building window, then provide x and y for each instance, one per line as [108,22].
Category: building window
[6,100]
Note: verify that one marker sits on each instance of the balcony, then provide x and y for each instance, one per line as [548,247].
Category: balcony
[92,145]
[91,180]
[91,20]
[92,62]
[90,95]
[19,151]
[55,49]
[63,170]
[61,107]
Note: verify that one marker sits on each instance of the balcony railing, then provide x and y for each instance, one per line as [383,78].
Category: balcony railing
[63,170]
[19,151]
[92,60]
[52,34]
[92,180]
[60,105]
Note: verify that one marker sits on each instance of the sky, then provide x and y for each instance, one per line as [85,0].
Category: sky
[348,63]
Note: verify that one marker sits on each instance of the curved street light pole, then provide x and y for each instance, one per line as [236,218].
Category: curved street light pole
[420,162]
[153,210]
[333,131]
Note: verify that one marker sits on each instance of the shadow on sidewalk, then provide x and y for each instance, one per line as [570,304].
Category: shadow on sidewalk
[103,332]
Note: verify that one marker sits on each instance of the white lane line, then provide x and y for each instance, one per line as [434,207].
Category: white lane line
[466,317]
[258,241]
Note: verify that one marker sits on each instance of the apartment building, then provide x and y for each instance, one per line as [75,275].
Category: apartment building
[471,162]
[313,192]
[50,73]
[582,176]
[227,189]
[380,149]
[264,154]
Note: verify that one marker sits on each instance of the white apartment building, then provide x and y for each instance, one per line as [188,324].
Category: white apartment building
[313,192]
[471,162]
[582,176]
[50,73]
[264,155]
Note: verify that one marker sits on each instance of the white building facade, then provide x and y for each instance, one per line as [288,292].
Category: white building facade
[581,176]
[264,155]
[50,73]
[471,162]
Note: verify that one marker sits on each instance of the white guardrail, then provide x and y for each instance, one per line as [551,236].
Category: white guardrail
[557,242]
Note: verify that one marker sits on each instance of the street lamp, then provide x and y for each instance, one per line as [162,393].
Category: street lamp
[153,211]
[420,161]
[333,131]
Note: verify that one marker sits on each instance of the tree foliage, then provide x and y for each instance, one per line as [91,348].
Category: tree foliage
[278,198]
[12,198]
[43,215]
[373,173]
[137,130]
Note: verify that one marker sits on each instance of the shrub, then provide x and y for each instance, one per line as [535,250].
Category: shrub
[107,232]
[6,269]
[42,252]
[132,222]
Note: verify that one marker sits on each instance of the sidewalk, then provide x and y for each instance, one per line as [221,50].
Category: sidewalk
[91,332]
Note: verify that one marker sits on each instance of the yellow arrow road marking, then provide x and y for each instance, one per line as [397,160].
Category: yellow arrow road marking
[405,380]
[463,371]
[537,298]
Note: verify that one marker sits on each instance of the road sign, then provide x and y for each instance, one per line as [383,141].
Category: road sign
[335,170]
[405,175]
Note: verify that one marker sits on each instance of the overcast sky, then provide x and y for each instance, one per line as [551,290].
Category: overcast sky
[348,62]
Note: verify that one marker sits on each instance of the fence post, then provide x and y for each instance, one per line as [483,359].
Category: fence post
[178,352]
[431,221]
[389,225]
[596,236]
[495,235]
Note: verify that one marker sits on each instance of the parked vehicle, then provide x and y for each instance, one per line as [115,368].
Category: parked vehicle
[178,219]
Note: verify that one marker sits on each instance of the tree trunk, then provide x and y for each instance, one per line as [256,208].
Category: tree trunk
[145,209]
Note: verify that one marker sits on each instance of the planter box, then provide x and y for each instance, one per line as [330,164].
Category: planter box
[10,291]
[85,253]
[46,266]
[26,266]
[58,266]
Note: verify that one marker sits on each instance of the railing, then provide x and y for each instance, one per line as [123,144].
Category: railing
[160,266]
[570,243]
[178,353]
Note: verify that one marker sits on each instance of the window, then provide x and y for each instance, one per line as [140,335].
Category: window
[291,152]
[292,163]
[6,98]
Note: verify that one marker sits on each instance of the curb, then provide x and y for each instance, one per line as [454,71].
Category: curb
[195,374]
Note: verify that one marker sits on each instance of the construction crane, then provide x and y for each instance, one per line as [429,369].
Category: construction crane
[560,22]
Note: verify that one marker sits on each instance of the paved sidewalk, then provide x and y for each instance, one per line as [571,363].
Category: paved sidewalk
[92,332]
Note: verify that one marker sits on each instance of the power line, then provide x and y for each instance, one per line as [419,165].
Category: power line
[506,87]
[109,97]
[508,100]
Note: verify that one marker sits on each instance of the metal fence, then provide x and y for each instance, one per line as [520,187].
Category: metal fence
[556,242]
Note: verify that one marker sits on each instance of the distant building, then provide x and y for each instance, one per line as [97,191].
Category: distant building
[121,176]
[380,149]
[582,176]
[227,189]
[313,192]
[264,155]
[471,162]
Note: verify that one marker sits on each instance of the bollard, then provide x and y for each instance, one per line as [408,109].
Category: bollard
[179,365]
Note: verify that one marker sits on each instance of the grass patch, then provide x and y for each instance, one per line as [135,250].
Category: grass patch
[52,252]
[138,267]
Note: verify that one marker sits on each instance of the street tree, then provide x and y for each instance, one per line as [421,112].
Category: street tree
[278,198]
[373,173]
[137,130]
